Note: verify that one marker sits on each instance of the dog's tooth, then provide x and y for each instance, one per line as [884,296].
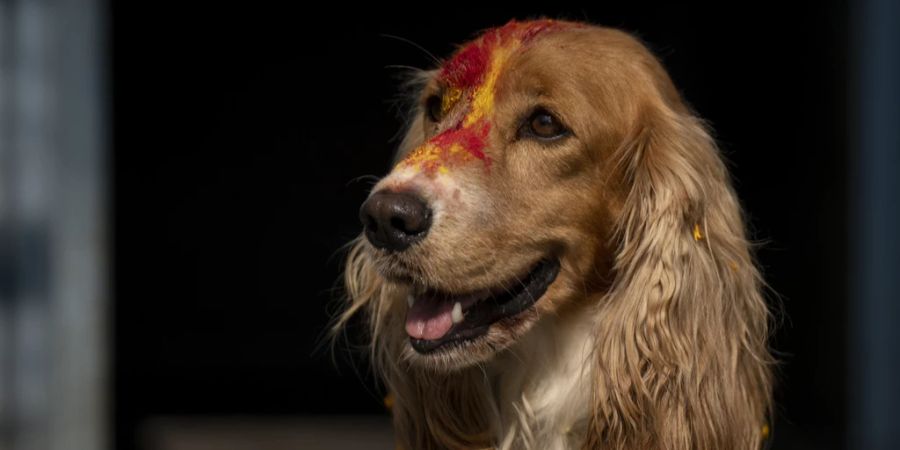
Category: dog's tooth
[457,314]
[410,300]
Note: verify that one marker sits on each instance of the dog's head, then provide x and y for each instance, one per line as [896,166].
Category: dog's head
[551,171]
[548,164]
[502,205]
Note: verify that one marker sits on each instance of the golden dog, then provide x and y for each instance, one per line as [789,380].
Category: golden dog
[558,260]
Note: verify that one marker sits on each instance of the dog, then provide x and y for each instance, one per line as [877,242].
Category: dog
[558,259]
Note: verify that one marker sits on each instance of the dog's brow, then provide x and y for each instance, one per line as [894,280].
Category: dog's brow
[471,76]
[468,67]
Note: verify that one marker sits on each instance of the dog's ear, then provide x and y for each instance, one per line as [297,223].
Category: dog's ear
[682,335]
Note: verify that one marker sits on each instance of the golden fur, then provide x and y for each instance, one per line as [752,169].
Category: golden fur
[653,336]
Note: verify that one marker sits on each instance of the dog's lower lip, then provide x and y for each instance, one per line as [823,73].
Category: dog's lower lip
[482,313]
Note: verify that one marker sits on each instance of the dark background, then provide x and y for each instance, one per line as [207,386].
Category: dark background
[240,135]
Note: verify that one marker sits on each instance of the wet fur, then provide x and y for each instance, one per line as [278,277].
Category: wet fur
[649,339]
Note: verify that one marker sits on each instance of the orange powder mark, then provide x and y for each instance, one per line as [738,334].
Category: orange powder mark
[451,148]
[471,75]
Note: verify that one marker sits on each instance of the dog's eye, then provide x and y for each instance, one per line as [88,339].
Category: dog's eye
[543,125]
[433,108]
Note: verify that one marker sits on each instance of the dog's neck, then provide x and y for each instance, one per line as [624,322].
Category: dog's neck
[541,386]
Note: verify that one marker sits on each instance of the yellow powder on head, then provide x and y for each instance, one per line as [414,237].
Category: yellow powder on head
[483,98]
[433,159]
[451,96]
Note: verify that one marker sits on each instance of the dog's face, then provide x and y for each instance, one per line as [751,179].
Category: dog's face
[501,214]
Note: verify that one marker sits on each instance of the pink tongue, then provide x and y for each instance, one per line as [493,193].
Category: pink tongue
[429,319]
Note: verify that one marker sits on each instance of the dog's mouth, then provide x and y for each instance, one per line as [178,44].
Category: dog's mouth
[439,319]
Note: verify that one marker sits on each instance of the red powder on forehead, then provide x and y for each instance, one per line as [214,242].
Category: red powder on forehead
[453,147]
[466,71]
[472,138]
[467,68]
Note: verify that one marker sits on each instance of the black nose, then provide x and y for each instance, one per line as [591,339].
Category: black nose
[395,220]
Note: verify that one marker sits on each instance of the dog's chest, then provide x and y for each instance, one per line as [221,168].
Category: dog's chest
[542,387]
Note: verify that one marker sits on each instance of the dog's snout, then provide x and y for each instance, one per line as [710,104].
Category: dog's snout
[395,220]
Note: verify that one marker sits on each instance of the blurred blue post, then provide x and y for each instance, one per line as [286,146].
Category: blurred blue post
[874,223]
[53,299]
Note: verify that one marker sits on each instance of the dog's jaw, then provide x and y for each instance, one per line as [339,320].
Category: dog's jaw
[439,321]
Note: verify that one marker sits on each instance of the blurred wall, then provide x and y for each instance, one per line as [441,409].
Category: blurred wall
[874,234]
[53,373]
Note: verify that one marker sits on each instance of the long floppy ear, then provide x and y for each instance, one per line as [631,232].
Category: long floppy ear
[682,338]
